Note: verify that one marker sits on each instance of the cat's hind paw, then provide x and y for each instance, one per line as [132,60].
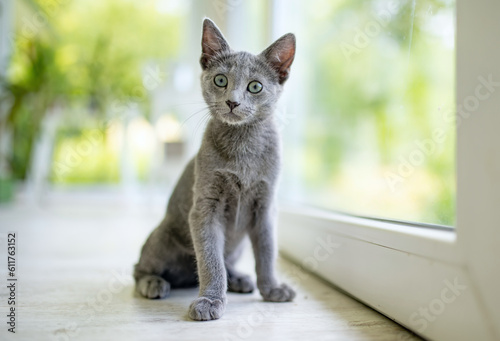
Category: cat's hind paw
[240,284]
[204,309]
[153,287]
[283,293]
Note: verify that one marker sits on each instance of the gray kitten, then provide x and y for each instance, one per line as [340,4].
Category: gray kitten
[227,190]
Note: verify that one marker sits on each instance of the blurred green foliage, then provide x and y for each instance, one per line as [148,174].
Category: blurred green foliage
[80,53]
[382,75]
[83,160]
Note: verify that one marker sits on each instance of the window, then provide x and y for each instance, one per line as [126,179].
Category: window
[373,134]
[441,284]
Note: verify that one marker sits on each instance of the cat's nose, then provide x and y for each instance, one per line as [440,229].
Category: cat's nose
[231,104]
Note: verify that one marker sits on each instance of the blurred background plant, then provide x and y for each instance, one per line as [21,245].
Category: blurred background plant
[82,57]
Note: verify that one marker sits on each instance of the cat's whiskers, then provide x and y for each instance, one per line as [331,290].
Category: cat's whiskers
[198,112]
[203,121]
[192,103]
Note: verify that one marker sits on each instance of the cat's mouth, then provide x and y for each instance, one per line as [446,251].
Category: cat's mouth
[232,117]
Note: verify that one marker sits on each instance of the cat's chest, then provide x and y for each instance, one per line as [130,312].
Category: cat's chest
[248,154]
[253,169]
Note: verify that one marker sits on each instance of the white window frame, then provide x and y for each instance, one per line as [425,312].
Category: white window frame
[443,285]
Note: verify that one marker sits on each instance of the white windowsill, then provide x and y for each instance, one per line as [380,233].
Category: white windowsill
[426,242]
[396,269]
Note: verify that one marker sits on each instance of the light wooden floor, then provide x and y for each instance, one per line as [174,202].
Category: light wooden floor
[75,256]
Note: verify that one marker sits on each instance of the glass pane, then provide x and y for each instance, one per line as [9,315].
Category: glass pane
[374,134]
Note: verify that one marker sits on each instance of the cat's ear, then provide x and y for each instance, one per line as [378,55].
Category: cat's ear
[280,55]
[212,42]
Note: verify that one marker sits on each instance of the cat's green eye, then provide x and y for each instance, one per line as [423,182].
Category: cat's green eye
[255,87]
[220,81]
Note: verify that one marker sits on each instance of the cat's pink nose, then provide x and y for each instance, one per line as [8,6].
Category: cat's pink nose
[231,104]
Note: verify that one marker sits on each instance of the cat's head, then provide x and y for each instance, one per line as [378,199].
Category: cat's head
[240,87]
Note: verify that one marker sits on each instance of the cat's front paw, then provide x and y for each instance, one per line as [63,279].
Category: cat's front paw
[204,309]
[283,293]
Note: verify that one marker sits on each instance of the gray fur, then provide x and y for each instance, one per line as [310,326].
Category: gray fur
[227,191]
